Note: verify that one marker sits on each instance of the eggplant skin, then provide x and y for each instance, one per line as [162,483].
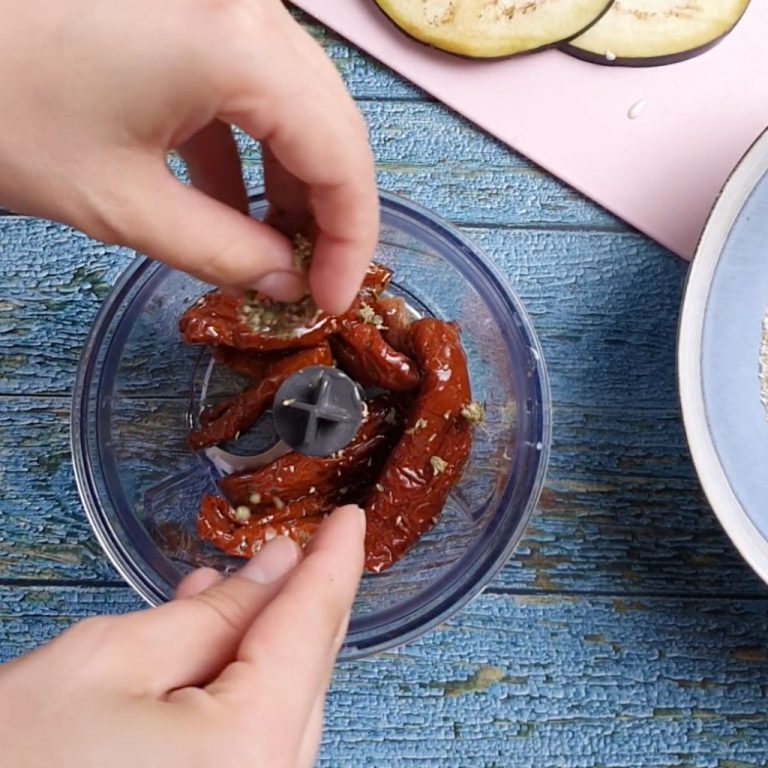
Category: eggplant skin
[629,35]
[492,29]
[649,61]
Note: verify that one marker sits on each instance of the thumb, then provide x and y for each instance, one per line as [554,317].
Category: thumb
[161,217]
[189,641]
[198,581]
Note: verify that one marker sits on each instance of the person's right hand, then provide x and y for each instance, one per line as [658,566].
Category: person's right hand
[94,95]
[232,673]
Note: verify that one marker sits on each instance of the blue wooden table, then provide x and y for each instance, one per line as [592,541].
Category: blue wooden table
[626,631]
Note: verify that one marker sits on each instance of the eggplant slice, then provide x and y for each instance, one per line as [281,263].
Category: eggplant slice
[644,33]
[487,29]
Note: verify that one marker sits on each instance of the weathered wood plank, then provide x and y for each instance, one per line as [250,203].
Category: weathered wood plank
[466,175]
[459,171]
[44,533]
[604,305]
[55,280]
[611,521]
[365,77]
[523,681]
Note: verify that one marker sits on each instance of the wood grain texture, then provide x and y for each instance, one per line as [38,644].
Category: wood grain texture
[365,77]
[605,305]
[482,181]
[626,631]
[535,680]
[621,512]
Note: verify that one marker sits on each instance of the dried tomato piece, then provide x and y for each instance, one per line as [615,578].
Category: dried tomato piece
[217,319]
[240,530]
[430,457]
[241,411]
[308,506]
[364,354]
[240,361]
[294,475]
[396,322]
[214,524]
[212,412]
[376,280]
[394,526]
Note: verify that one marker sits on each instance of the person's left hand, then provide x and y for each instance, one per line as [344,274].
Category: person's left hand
[232,674]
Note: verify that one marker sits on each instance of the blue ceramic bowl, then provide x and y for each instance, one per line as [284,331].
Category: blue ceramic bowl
[140,484]
[723,337]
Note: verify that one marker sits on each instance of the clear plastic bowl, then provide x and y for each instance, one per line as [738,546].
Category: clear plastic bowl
[138,385]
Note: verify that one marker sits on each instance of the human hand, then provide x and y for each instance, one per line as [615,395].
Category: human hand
[231,674]
[94,95]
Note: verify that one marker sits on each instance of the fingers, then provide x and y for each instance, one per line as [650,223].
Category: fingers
[188,230]
[291,648]
[339,262]
[337,267]
[288,200]
[188,641]
[317,135]
[343,250]
[198,581]
[214,166]
[313,732]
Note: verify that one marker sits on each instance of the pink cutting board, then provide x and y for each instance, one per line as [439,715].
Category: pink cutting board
[661,171]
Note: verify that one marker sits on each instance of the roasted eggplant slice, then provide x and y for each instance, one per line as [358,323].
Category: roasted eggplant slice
[645,33]
[487,29]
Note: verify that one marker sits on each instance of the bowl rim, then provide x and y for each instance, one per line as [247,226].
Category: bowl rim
[723,499]
[415,626]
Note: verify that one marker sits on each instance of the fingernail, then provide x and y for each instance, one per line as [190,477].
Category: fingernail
[282,286]
[272,562]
